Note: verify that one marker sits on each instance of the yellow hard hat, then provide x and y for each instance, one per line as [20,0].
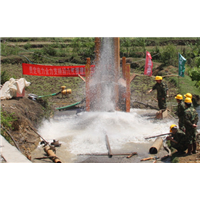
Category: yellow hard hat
[188,95]
[69,91]
[63,87]
[188,100]
[158,78]
[179,97]
[173,126]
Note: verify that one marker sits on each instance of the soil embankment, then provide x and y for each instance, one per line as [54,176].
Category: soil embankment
[27,116]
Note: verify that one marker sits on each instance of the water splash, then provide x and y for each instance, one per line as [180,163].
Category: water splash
[87,131]
[103,81]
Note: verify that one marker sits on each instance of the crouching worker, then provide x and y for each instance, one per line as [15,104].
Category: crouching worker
[178,139]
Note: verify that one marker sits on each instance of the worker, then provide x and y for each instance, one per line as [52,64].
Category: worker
[178,139]
[189,95]
[190,123]
[180,111]
[161,92]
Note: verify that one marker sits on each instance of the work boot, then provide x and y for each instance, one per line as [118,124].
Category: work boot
[189,149]
[194,145]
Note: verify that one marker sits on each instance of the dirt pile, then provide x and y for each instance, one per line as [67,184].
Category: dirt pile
[28,115]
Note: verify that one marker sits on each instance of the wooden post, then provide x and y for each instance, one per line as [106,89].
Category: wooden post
[117,69]
[87,76]
[97,49]
[128,90]
[123,67]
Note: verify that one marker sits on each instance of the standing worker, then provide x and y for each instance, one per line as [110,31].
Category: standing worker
[180,111]
[190,122]
[189,95]
[161,92]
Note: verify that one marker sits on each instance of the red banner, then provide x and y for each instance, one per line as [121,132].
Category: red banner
[49,70]
[148,65]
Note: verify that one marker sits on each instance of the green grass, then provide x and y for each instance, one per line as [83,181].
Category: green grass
[187,85]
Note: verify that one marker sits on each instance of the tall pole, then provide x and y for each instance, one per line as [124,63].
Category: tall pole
[117,68]
[178,74]
[128,90]
[97,60]
[97,49]
[87,79]
[123,67]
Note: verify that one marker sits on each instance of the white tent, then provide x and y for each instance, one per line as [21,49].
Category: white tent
[13,88]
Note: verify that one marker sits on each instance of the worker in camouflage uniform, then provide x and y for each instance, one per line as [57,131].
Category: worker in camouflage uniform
[189,95]
[178,139]
[161,92]
[180,111]
[190,123]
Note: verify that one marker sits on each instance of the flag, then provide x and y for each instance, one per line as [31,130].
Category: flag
[148,65]
[181,65]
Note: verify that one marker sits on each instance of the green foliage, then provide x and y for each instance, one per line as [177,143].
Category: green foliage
[194,74]
[6,122]
[27,46]
[49,50]
[7,50]
[38,56]
[4,77]
[169,55]
[7,119]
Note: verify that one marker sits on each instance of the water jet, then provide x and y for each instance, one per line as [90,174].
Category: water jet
[106,88]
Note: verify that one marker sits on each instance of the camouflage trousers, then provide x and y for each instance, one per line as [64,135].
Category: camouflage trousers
[179,147]
[191,135]
[181,123]
[162,103]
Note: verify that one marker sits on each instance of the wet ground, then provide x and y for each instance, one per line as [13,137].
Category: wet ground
[66,155]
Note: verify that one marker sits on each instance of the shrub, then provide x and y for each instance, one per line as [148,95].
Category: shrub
[49,50]
[169,55]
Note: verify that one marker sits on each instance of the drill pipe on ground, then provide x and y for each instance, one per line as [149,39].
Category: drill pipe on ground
[108,147]
[51,154]
[156,146]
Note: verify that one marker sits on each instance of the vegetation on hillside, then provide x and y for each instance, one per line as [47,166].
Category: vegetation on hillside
[74,51]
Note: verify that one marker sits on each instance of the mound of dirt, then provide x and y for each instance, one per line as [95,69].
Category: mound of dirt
[27,114]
